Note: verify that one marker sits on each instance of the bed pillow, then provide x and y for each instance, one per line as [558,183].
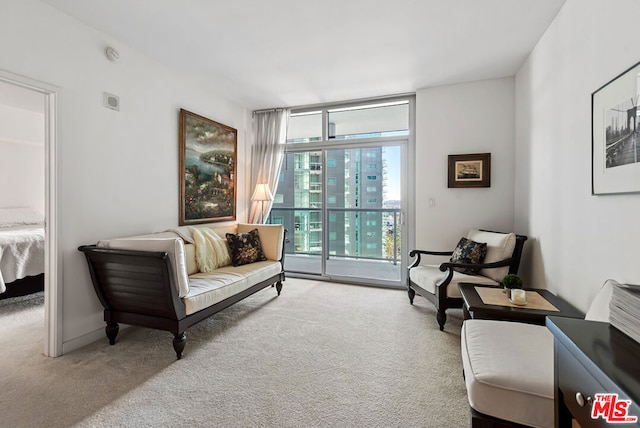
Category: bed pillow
[174,247]
[10,217]
[245,247]
[468,251]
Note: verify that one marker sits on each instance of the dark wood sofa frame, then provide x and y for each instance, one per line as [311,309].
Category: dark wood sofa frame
[138,288]
[440,299]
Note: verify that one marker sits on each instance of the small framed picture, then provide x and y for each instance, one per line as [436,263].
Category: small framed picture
[471,170]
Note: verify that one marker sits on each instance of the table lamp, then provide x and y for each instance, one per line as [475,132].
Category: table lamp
[262,193]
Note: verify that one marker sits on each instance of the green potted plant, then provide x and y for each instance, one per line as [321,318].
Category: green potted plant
[511,281]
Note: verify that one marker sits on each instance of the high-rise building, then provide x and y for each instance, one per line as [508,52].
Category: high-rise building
[351,183]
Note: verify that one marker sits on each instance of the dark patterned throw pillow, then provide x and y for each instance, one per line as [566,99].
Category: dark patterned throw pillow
[245,247]
[468,251]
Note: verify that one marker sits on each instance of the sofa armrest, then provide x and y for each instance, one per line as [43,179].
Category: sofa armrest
[271,238]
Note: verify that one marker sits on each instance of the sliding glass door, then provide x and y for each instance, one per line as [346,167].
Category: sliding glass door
[341,195]
[363,208]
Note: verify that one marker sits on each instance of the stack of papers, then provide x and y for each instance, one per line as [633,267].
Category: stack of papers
[624,310]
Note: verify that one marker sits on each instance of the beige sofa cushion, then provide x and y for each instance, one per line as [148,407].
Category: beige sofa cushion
[508,370]
[190,259]
[206,289]
[500,246]
[271,238]
[426,276]
[174,247]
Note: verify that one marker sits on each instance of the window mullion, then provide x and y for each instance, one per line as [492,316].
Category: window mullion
[325,125]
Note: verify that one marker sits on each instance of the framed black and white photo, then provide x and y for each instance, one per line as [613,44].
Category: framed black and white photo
[615,148]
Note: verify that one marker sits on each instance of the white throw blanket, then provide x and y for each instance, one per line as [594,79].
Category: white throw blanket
[211,250]
[183,233]
[21,253]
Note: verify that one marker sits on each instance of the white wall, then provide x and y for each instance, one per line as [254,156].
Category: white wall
[118,170]
[579,240]
[21,158]
[474,117]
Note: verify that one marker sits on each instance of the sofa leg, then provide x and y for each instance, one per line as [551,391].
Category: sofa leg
[112,329]
[279,287]
[411,293]
[441,316]
[179,341]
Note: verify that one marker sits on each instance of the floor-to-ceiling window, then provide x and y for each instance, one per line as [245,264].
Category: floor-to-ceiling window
[342,190]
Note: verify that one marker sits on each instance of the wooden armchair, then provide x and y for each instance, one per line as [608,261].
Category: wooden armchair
[439,283]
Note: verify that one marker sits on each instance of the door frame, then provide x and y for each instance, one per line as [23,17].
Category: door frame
[53,260]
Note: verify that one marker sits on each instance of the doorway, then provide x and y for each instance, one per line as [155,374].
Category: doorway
[47,95]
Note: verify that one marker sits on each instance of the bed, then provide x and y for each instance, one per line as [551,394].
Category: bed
[21,252]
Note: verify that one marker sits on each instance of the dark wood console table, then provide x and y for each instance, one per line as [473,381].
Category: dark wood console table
[593,358]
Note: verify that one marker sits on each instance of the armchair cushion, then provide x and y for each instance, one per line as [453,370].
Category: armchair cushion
[468,251]
[500,246]
[427,276]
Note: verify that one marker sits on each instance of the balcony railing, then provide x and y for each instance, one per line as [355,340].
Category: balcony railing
[365,233]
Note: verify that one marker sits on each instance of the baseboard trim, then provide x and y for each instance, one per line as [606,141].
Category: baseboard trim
[87,339]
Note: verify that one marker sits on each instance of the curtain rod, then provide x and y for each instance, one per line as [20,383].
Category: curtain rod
[268,110]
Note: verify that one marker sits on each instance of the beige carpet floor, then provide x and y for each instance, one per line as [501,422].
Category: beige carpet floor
[320,355]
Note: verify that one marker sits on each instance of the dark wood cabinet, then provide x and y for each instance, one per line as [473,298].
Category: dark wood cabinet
[593,358]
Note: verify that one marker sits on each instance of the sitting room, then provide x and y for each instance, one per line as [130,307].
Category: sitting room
[364,142]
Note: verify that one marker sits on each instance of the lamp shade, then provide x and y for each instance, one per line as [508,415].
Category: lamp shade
[262,193]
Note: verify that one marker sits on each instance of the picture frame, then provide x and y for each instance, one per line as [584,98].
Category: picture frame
[469,170]
[615,135]
[208,159]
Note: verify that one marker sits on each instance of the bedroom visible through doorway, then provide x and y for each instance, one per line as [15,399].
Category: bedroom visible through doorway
[22,186]
[28,163]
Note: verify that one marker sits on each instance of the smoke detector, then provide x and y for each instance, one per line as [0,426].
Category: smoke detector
[112,54]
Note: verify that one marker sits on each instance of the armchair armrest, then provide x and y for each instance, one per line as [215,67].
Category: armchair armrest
[449,265]
[417,253]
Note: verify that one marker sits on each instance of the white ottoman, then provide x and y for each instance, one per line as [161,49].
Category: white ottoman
[508,368]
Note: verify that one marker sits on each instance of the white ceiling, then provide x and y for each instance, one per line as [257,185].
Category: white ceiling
[282,53]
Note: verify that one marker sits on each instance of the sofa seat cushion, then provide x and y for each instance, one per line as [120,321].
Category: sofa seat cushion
[508,368]
[207,289]
[426,276]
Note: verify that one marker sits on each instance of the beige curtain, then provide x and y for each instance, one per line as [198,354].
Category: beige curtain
[267,152]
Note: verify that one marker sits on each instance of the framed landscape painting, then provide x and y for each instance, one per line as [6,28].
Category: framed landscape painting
[208,155]
[472,170]
[615,135]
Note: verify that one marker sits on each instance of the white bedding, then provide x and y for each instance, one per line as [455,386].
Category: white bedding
[21,253]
